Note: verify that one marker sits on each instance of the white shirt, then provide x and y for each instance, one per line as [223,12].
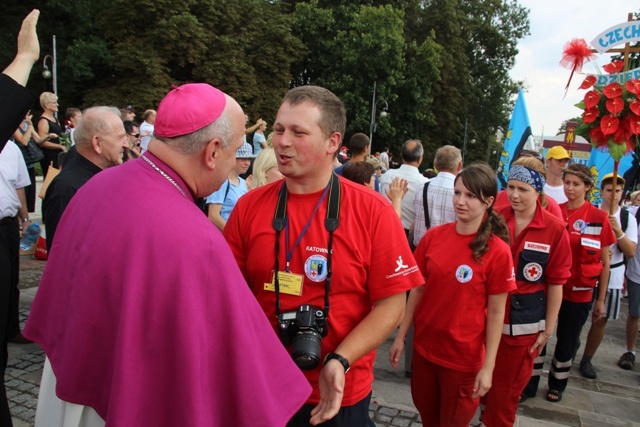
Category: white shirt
[13,175]
[633,266]
[415,180]
[556,193]
[616,276]
[144,141]
[440,204]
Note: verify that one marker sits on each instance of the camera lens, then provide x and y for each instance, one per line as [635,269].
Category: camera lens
[305,349]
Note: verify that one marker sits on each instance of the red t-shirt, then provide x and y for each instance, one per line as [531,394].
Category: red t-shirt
[589,230]
[370,260]
[540,257]
[450,320]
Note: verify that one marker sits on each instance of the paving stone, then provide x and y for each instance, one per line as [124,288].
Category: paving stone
[415,424]
[401,422]
[389,411]
[383,418]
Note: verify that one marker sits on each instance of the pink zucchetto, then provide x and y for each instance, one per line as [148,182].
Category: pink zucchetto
[188,108]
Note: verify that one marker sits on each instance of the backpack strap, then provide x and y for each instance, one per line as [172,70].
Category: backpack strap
[425,203]
[624,218]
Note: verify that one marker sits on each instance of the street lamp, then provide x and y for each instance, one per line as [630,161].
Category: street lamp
[46,73]
[374,105]
[464,144]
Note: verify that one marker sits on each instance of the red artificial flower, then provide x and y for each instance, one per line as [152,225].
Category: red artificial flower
[575,54]
[590,115]
[591,98]
[633,86]
[588,82]
[623,133]
[634,124]
[635,106]
[609,124]
[612,90]
[615,105]
[614,67]
[598,137]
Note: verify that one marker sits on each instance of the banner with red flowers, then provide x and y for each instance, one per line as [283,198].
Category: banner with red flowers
[611,117]
[627,32]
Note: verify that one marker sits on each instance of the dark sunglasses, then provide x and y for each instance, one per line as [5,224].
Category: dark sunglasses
[137,135]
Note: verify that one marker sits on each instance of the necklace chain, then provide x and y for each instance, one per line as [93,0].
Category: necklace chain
[163,173]
[567,216]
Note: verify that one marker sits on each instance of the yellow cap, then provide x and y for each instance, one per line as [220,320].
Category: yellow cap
[609,177]
[558,152]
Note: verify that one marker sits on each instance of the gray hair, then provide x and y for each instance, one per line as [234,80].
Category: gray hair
[93,122]
[193,142]
[412,151]
[447,158]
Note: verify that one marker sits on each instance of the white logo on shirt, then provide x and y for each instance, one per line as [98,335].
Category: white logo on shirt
[400,264]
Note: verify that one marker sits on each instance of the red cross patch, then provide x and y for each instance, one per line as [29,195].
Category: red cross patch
[532,271]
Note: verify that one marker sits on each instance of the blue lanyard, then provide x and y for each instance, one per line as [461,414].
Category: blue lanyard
[304,230]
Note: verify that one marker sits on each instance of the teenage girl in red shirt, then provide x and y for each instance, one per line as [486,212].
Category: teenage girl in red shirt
[459,311]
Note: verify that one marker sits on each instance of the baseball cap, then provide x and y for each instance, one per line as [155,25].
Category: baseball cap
[609,176]
[558,152]
[188,108]
[245,152]
[129,108]
[375,163]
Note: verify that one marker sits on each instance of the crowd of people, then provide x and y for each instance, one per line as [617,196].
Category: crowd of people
[268,308]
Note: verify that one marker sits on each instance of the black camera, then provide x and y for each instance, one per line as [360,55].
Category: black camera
[303,329]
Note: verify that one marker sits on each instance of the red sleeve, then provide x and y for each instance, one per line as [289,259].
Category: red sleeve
[393,267]
[559,267]
[500,273]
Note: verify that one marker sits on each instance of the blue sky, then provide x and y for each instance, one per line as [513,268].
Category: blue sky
[552,24]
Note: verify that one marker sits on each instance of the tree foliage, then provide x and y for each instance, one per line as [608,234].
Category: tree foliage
[438,64]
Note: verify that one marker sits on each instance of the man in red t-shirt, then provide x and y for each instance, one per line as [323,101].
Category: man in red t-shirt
[366,260]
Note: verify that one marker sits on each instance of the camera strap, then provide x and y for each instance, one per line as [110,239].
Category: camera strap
[331,223]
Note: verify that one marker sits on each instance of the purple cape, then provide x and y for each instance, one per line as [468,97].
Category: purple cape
[146,318]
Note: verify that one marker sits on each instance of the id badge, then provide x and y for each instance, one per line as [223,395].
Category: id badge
[290,283]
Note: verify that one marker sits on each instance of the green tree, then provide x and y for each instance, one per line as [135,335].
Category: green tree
[352,46]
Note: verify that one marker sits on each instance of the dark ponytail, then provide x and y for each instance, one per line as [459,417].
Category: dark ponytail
[481,180]
[493,224]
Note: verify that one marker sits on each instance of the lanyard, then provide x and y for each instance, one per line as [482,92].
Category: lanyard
[304,230]
[331,223]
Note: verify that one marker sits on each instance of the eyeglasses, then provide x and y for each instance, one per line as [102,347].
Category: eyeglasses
[136,135]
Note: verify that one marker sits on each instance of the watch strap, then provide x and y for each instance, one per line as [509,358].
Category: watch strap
[339,358]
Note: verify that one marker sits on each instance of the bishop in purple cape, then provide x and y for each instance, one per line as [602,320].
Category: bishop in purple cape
[151,322]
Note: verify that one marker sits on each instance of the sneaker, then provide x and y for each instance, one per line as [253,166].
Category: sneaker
[627,361]
[587,370]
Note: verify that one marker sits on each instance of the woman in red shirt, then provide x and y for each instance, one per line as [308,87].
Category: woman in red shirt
[590,235]
[540,247]
[459,311]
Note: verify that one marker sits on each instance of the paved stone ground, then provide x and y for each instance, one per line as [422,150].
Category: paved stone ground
[22,378]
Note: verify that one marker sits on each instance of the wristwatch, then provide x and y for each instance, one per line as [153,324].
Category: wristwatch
[25,219]
[336,356]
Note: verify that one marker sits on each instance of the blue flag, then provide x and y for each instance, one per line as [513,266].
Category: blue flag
[517,135]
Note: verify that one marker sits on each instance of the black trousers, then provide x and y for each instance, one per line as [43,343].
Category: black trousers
[348,416]
[571,319]
[30,191]
[9,244]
